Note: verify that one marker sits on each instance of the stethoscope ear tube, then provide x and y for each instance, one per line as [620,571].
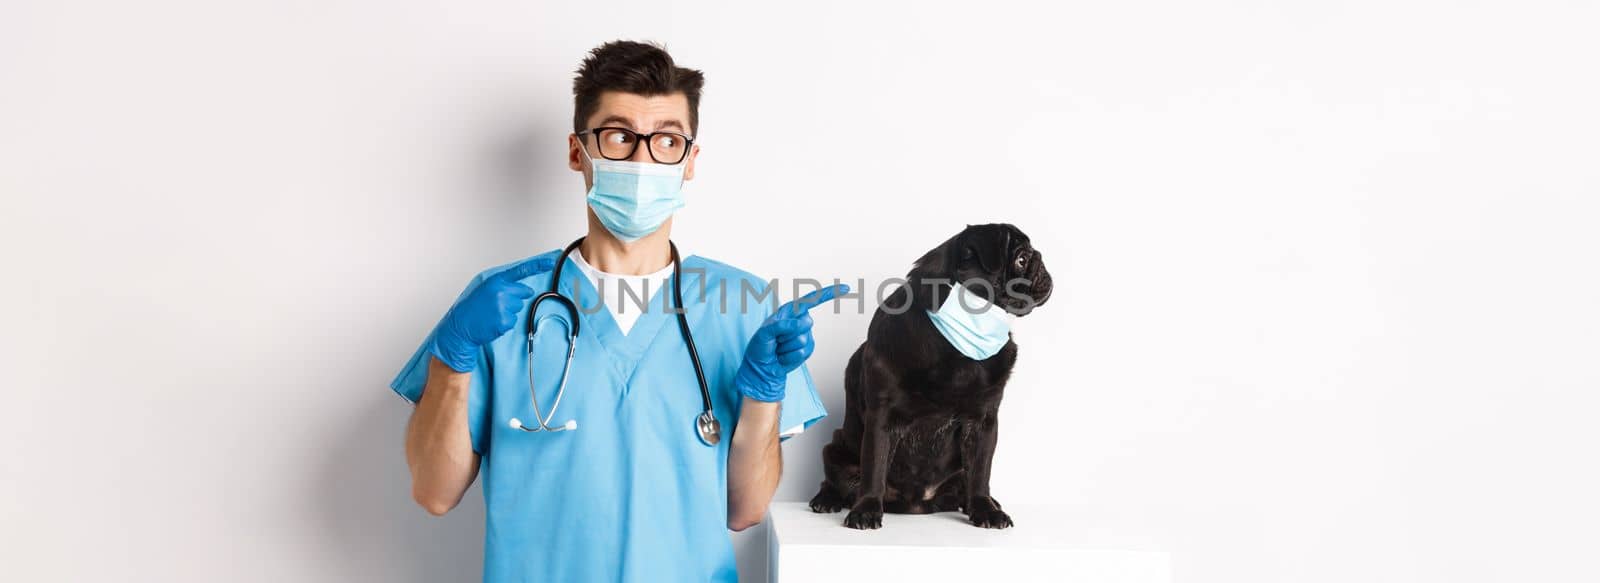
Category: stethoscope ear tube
[572,324]
[706,424]
[517,424]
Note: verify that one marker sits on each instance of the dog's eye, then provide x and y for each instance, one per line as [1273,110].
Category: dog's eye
[1022,262]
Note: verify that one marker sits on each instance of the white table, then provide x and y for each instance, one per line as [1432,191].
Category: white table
[1047,544]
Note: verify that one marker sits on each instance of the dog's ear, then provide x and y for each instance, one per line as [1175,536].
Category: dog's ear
[982,246]
[987,245]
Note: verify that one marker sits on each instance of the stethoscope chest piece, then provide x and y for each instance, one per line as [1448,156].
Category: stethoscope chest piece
[709,429]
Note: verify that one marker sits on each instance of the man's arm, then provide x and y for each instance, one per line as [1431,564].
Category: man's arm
[754,463]
[438,443]
[779,347]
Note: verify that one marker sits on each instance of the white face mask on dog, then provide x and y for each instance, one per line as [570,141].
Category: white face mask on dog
[976,327]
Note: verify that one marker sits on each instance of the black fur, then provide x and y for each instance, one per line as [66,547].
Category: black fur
[920,420]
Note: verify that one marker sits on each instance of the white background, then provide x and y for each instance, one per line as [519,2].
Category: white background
[1327,305]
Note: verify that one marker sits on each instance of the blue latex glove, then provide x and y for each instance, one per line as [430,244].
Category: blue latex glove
[780,345]
[488,312]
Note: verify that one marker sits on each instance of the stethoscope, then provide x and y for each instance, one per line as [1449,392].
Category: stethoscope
[705,424]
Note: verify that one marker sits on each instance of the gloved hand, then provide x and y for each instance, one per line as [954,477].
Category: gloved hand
[780,345]
[489,311]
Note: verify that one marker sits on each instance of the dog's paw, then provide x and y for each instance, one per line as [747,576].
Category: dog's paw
[867,514]
[827,501]
[984,512]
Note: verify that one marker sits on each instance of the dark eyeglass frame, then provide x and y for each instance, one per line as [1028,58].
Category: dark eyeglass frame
[638,138]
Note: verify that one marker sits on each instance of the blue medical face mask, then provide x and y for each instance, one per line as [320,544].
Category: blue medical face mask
[633,199]
[978,329]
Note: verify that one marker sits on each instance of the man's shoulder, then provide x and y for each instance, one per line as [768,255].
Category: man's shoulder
[718,271]
[739,291]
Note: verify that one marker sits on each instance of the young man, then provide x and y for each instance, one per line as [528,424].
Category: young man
[615,472]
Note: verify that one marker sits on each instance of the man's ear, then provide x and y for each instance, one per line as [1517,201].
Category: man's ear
[574,157]
[688,169]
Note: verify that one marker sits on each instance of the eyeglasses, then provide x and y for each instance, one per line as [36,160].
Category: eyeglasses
[620,144]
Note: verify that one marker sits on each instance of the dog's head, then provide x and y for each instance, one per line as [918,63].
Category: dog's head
[994,261]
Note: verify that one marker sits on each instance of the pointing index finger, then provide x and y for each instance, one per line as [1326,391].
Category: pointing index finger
[530,268]
[814,299]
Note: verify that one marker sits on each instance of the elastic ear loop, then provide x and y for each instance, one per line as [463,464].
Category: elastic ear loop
[584,149]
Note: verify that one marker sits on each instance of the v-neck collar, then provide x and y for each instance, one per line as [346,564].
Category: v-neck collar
[626,350]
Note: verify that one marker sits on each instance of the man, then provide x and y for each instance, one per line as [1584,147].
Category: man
[636,486]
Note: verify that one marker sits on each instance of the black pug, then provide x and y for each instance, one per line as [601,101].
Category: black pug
[920,417]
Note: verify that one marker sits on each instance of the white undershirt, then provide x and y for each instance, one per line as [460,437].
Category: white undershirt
[623,294]
[622,305]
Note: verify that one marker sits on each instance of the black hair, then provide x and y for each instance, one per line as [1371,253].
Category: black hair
[633,67]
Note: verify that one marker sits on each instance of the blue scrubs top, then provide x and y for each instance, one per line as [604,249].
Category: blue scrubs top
[632,494]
